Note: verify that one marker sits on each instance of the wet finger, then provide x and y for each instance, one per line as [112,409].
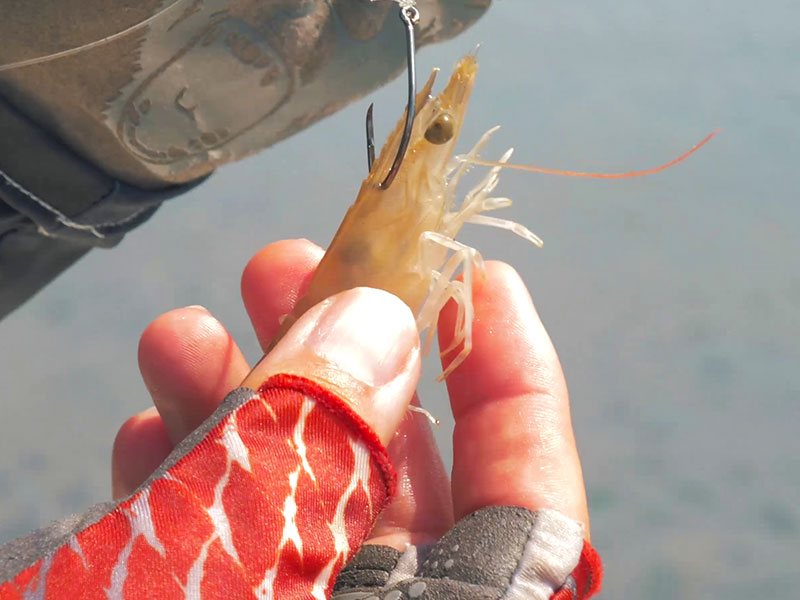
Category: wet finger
[273,281]
[422,511]
[141,445]
[189,363]
[362,345]
[513,439]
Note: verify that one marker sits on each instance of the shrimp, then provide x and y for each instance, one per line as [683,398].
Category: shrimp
[403,239]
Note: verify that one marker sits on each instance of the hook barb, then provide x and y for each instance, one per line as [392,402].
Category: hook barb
[370,139]
[410,17]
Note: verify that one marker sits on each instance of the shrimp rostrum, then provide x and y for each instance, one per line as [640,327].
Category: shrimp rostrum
[403,239]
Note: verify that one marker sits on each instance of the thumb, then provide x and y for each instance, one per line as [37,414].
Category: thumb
[363,346]
[278,487]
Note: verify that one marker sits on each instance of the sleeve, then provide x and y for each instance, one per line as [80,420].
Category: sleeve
[92,143]
[55,206]
[267,499]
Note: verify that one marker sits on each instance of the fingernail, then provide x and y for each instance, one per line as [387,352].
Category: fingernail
[365,332]
[197,307]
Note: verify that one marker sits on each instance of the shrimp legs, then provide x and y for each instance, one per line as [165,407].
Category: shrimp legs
[435,247]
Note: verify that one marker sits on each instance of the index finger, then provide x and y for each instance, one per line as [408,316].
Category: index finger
[513,442]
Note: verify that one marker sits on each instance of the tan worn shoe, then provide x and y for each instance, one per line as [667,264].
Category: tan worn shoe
[92,141]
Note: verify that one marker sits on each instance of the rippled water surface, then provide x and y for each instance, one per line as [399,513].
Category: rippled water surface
[673,300]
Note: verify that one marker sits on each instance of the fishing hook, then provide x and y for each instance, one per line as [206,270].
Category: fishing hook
[410,17]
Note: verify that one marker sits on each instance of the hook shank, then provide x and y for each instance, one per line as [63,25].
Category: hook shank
[410,17]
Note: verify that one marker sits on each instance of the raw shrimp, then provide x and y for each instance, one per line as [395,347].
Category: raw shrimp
[403,239]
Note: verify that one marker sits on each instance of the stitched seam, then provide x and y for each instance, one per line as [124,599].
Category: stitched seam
[352,420]
[124,220]
[58,215]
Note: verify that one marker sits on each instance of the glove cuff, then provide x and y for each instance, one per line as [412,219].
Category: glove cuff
[498,552]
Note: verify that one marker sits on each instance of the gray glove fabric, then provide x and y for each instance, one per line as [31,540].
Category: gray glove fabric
[497,552]
[91,143]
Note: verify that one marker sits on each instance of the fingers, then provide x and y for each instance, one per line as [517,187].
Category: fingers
[189,363]
[513,440]
[185,391]
[273,281]
[141,445]
[362,345]
[422,511]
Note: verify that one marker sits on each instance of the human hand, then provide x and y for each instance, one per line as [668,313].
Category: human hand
[513,441]
[266,497]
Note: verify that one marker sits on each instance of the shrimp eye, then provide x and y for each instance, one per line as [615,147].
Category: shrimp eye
[441,130]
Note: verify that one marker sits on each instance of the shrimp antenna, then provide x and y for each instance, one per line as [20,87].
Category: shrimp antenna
[410,17]
[546,171]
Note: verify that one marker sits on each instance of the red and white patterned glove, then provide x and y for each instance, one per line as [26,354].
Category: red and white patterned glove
[267,499]
[234,510]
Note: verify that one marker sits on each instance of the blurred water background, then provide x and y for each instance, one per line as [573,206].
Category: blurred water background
[673,300]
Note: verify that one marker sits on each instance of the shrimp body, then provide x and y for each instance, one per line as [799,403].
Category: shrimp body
[402,239]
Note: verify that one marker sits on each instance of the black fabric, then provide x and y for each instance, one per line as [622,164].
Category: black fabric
[475,560]
[370,568]
[55,207]
[165,104]
[496,533]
